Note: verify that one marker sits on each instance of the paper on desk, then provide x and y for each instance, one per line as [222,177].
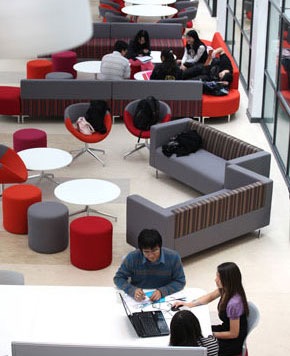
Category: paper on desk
[144,59]
[135,305]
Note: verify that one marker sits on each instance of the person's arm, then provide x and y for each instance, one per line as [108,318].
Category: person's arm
[200,51]
[127,73]
[122,276]
[232,333]
[205,299]
[177,280]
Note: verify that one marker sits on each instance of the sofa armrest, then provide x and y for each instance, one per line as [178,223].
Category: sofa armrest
[143,214]
[258,162]
[161,133]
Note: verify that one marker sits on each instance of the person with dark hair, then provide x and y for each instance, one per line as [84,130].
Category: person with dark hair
[195,51]
[140,47]
[218,68]
[151,266]
[232,308]
[115,65]
[168,69]
[185,330]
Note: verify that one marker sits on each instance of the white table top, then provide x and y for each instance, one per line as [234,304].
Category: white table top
[88,67]
[143,75]
[87,191]
[45,158]
[151,2]
[149,10]
[75,315]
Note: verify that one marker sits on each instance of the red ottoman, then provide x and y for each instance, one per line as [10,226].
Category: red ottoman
[9,100]
[38,68]
[91,242]
[29,138]
[16,201]
[64,62]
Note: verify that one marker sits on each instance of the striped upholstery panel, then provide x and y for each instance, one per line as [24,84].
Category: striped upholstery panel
[95,48]
[179,108]
[48,107]
[222,144]
[218,209]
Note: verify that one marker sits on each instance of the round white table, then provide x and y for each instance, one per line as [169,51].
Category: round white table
[143,75]
[149,10]
[87,70]
[87,192]
[45,159]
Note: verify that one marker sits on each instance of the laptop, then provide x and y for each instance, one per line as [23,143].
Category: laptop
[147,323]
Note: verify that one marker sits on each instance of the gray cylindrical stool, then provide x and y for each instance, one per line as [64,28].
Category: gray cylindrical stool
[48,227]
[59,75]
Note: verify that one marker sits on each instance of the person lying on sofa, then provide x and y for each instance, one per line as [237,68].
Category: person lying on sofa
[217,69]
[151,266]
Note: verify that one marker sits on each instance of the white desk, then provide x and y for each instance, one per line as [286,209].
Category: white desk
[74,315]
[87,192]
[87,70]
[45,159]
[149,10]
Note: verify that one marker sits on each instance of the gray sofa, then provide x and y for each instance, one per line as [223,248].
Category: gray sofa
[49,98]
[105,35]
[242,205]
[204,170]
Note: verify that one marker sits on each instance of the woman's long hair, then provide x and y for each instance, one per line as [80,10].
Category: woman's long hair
[140,34]
[168,60]
[197,42]
[231,280]
[184,329]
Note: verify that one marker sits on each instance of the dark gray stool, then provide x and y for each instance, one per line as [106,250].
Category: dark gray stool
[59,75]
[48,227]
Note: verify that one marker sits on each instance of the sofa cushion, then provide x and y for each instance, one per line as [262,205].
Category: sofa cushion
[218,208]
[222,144]
[202,170]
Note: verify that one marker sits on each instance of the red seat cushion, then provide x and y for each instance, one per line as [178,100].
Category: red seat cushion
[10,100]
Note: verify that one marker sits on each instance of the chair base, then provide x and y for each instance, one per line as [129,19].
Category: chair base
[89,210]
[91,151]
[138,147]
[43,175]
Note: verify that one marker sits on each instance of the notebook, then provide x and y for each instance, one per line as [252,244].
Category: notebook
[146,323]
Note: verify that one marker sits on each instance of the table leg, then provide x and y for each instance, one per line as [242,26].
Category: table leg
[43,175]
[89,210]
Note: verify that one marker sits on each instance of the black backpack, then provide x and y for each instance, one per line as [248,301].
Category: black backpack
[146,113]
[95,115]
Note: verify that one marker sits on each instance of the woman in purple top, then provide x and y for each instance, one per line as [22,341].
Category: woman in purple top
[232,308]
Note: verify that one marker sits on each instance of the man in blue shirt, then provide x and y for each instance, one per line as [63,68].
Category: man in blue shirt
[150,267]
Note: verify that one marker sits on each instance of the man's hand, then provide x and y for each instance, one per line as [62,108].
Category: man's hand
[139,295]
[155,296]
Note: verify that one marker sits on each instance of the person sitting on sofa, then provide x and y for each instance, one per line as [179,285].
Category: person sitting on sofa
[168,69]
[217,67]
[140,47]
[194,52]
[151,266]
[115,65]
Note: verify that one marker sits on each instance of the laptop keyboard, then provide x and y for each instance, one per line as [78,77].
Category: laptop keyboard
[149,324]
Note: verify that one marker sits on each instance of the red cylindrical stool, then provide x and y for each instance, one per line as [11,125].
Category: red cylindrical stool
[29,138]
[38,68]
[16,201]
[9,100]
[91,242]
[64,62]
